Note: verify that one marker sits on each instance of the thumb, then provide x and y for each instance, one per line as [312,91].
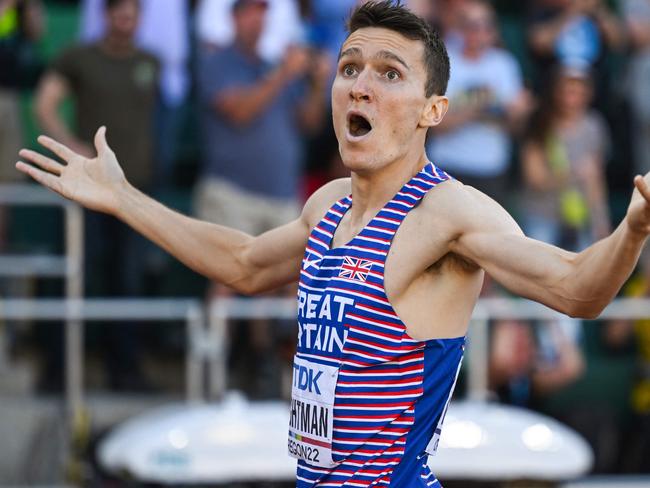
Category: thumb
[642,186]
[100,140]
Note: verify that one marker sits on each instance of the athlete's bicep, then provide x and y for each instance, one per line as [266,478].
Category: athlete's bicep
[274,257]
[489,237]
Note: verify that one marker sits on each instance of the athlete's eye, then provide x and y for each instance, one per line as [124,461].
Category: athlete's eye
[393,75]
[349,70]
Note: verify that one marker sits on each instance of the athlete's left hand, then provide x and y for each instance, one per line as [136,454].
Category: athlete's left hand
[638,213]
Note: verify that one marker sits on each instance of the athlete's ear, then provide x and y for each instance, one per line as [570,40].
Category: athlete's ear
[434,110]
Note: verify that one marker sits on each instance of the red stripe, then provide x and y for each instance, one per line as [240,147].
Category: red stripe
[403,348]
[401,406]
[397,369]
[309,440]
[419,185]
[387,357]
[390,450]
[377,382]
[374,331]
[320,241]
[390,219]
[389,312]
[359,292]
[320,229]
[404,430]
[377,321]
[381,239]
[414,392]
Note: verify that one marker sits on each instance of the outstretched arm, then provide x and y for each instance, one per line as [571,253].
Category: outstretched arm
[246,263]
[578,284]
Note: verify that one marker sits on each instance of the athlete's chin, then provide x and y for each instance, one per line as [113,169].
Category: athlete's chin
[358,158]
[357,162]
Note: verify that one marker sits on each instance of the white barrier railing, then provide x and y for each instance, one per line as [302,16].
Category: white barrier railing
[224,309]
[190,311]
[69,267]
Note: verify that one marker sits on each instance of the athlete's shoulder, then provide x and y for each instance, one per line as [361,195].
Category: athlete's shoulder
[323,198]
[460,208]
[444,197]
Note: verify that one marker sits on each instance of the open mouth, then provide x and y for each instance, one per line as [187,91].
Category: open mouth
[358,125]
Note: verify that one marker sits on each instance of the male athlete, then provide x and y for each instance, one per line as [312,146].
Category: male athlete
[393,264]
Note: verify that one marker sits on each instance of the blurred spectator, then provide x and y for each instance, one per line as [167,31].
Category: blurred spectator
[423,8]
[282,26]
[512,357]
[487,100]
[326,32]
[253,113]
[637,18]
[327,27]
[621,334]
[163,31]
[565,203]
[574,33]
[563,158]
[21,24]
[447,17]
[527,362]
[559,360]
[112,83]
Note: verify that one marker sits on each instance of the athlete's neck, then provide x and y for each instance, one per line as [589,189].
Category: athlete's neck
[372,189]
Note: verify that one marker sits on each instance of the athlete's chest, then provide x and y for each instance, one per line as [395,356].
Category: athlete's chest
[420,239]
[412,275]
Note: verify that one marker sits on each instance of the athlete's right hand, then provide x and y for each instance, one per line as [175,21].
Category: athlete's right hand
[93,182]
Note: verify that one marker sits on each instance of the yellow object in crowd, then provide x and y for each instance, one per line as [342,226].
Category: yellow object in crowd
[8,22]
[639,286]
[574,210]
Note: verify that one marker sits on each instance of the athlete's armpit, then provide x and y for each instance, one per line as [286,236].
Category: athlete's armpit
[488,236]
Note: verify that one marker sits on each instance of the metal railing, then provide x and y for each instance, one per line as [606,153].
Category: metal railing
[223,309]
[74,310]
[69,267]
[120,309]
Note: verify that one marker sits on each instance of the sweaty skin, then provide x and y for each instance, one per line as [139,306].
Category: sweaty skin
[435,267]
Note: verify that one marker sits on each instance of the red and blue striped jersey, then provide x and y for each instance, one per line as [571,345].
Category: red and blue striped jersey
[367,399]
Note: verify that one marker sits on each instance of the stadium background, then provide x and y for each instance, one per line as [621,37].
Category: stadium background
[600,367]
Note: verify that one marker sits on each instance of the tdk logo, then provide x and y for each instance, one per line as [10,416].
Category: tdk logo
[305,380]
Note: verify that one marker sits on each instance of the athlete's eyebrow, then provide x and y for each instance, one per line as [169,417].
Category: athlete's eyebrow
[392,56]
[383,54]
[351,51]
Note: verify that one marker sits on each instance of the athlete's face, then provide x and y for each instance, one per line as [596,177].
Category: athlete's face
[379,108]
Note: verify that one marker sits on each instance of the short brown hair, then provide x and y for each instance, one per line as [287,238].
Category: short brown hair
[393,15]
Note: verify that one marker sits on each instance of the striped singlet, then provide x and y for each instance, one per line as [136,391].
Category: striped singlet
[367,400]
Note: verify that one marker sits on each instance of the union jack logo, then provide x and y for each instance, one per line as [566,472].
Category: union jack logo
[355,269]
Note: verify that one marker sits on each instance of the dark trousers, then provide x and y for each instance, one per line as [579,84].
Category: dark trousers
[115,265]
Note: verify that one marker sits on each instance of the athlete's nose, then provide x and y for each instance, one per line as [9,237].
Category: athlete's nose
[361,88]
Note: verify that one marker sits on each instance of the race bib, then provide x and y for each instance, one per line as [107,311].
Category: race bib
[311,418]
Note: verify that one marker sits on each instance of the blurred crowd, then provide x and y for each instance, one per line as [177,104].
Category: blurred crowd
[221,108]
